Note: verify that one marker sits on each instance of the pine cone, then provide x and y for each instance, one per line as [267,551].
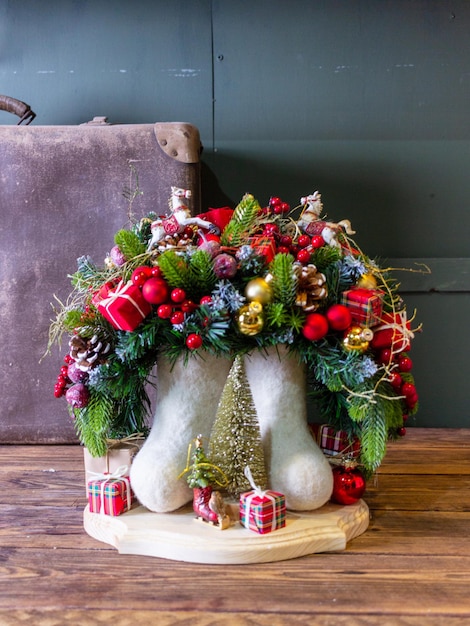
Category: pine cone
[88,353]
[311,287]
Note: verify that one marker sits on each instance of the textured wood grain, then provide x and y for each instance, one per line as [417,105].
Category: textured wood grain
[411,567]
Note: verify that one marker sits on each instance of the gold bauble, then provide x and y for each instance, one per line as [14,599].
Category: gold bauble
[367,281]
[251,318]
[357,338]
[260,290]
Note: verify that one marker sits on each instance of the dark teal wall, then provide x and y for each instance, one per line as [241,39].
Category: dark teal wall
[365,100]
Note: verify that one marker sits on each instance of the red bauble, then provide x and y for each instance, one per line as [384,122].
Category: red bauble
[194,341]
[405,364]
[401,432]
[348,484]
[140,275]
[408,390]
[339,317]
[177,317]
[396,380]
[271,229]
[316,326]
[178,295]
[165,311]
[303,256]
[155,290]
[188,306]
[303,241]
[385,356]
[156,272]
[205,300]
[318,241]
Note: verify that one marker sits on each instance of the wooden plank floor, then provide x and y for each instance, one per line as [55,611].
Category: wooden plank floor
[411,567]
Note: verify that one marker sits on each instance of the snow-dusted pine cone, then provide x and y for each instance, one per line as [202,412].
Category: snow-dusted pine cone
[88,353]
[311,287]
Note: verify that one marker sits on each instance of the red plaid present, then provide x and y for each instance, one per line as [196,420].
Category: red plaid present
[393,331]
[365,305]
[110,494]
[333,442]
[264,245]
[262,511]
[124,306]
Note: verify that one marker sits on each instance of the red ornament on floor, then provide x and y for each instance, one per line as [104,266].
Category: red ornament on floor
[348,484]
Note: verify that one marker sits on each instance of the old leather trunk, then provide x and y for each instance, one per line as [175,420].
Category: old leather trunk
[61,196]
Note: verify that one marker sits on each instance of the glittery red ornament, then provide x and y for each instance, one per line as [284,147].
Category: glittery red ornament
[348,484]
[339,317]
[155,290]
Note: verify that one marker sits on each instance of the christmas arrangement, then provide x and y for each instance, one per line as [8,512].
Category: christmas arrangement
[228,284]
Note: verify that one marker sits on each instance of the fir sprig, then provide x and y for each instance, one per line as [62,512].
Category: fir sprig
[242,223]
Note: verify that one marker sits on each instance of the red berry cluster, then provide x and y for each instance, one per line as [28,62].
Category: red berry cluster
[400,364]
[302,248]
[276,206]
[173,304]
[62,379]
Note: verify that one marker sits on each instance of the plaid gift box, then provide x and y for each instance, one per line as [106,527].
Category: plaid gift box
[110,494]
[365,305]
[393,331]
[333,442]
[263,245]
[262,511]
[124,307]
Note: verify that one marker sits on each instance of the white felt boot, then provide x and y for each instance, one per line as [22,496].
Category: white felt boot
[187,400]
[295,464]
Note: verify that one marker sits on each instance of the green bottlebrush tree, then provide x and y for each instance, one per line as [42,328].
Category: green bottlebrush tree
[235,441]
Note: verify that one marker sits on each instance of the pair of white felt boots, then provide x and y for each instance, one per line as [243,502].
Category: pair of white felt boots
[187,399]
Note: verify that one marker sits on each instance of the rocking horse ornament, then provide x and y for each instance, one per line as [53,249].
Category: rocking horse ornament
[311,224]
[180,218]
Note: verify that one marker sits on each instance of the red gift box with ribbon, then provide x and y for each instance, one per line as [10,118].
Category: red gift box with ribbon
[123,306]
[393,331]
[263,245]
[110,494]
[365,305]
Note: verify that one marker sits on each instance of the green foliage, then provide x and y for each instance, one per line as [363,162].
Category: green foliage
[244,219]
[175,270]
[201,274]
[129,244]
[284,282]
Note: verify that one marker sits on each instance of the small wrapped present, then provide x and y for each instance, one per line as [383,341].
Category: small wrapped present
[365,305]
[124,306]
[393,331]
[263,245]
[119,452]
[110,494]
[262,511]
[333,442]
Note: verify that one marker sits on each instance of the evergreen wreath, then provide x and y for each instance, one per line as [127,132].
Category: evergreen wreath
[267,278]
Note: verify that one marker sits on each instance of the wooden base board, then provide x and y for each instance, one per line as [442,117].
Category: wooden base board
[180,537]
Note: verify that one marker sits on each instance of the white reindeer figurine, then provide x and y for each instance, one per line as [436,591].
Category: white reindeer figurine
[179,218]
[311,224]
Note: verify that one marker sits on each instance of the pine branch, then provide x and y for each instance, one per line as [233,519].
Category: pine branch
[129,244]
[242,223]
[284,283]
[201,274]
[175,270]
